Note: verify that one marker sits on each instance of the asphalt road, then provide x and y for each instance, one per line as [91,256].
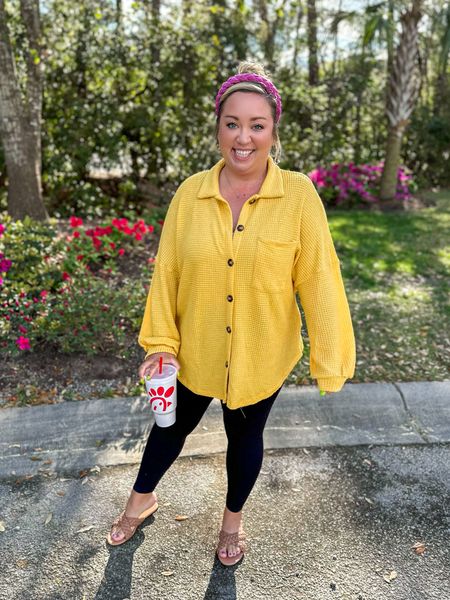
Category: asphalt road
[323,523]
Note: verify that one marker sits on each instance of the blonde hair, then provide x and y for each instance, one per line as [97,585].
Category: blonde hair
[250,86]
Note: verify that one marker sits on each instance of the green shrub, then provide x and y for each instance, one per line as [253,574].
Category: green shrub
[64,287]
[91,316]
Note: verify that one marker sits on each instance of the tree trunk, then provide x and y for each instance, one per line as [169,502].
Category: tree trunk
[390,171]
[267,33]
[297,38]
[442,79]
[155,49]
[357,144]
[313,62]
[270,29]
[241,36]
[390,36]
[20,121]
[335,59]
[402,95]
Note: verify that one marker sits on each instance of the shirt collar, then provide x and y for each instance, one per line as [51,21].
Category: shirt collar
[272,186]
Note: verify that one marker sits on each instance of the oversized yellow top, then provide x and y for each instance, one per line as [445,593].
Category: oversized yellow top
[224,303]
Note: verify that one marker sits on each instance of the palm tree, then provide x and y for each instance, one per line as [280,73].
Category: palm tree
[402,90]
[376,22]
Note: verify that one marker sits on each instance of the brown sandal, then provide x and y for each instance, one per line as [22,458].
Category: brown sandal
[128,525]
[238,538]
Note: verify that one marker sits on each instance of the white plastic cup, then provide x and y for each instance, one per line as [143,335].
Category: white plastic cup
[162,395]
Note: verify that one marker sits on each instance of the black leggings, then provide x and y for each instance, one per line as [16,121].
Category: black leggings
[244,428]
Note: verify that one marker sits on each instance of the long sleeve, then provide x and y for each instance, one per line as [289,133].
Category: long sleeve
[318,282]
[159,332]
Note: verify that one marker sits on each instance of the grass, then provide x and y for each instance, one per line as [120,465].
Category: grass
[396,273]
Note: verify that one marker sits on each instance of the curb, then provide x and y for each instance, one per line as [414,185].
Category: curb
[73,436]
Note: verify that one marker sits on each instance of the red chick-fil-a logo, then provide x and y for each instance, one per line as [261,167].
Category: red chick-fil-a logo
[158,398]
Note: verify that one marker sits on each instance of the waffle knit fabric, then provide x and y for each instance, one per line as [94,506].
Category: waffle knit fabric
[224,302]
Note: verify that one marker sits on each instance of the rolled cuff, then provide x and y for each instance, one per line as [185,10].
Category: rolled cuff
[331,384]
[158,349]
[152,345]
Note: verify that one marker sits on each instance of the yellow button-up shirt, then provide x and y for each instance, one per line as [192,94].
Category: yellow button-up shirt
[224,302]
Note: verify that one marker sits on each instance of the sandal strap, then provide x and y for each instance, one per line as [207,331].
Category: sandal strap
[237,538]
[127,524]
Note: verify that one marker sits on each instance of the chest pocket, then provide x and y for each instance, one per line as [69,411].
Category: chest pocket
[273,265]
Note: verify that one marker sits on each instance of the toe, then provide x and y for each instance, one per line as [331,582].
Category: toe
[117,535]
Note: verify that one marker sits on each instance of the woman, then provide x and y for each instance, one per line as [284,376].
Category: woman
[239,241]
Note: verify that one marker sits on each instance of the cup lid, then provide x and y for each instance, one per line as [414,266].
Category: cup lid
[167,371]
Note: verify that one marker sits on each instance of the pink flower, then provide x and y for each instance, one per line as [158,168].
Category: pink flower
[121,251]
[2,229]
[1,280]
[317,177]
[5,265]
[43,294]
[65,276]
[112,245]
[138,237]
[150,229]
[97,243]
[23,343]
[141,226]
[22,329]
[119,223]
[80,257]
[76,221]
[76,234]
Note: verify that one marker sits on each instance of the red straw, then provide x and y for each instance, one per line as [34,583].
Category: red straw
[160,365]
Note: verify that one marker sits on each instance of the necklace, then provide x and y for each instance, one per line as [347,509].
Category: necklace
[244,195]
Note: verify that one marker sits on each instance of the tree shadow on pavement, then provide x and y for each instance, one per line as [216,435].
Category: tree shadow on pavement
[116,581]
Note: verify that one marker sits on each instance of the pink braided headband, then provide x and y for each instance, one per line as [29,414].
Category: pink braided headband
[266,83]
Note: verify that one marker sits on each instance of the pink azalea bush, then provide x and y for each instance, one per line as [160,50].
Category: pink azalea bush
[56,288]
[350,185]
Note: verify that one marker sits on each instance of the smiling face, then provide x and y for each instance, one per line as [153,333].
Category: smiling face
[245,133]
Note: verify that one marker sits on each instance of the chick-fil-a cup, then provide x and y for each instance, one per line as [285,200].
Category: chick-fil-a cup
[162,395]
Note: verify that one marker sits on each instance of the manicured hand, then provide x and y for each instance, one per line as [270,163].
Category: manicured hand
[151,364]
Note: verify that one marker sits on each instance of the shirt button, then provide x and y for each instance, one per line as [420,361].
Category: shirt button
[226,365]
[230,298]
[240,228]
[230,262]
[229,329]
